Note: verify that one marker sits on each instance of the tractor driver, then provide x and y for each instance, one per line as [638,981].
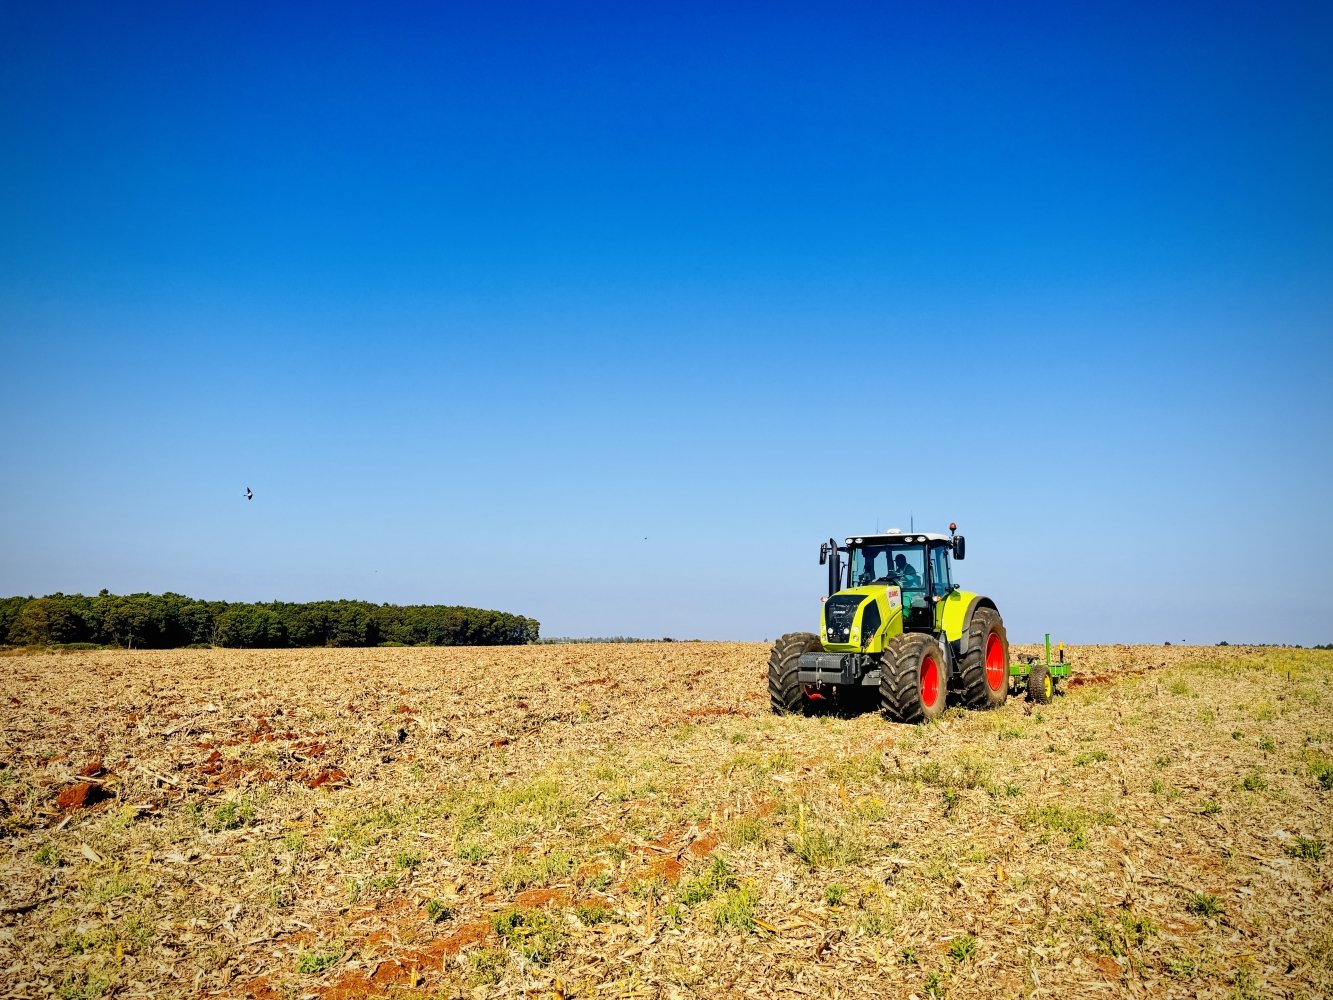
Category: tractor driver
[907,576]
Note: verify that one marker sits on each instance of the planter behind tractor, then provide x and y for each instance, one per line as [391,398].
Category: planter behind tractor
[894,623]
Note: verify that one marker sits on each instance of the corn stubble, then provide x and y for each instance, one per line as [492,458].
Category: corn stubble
[617,820]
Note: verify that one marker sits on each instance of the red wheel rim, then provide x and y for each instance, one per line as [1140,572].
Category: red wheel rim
[930,680]
[994,661]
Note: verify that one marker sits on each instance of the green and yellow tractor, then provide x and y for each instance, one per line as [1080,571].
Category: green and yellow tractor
[901,626]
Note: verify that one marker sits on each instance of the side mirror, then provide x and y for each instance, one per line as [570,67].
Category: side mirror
[823,554]
[959,546]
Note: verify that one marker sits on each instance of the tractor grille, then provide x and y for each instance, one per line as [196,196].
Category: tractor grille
[838,615]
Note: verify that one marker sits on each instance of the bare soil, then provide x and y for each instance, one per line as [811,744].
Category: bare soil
[631,820]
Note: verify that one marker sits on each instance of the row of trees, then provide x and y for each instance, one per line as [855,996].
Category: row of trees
[164,621]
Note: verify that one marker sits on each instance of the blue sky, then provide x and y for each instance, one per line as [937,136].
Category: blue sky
[609,316]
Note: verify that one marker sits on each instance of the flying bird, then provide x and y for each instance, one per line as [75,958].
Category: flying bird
[248,494]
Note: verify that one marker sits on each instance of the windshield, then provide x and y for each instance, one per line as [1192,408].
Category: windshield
[902,565]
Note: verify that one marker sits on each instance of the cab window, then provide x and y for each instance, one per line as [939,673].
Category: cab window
[942,579]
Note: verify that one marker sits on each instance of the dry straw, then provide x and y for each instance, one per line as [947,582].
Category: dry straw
[631,820]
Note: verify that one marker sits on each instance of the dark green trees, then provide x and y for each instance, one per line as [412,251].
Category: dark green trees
[158,621]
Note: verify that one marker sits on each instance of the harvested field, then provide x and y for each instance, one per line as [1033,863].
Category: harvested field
[630,820]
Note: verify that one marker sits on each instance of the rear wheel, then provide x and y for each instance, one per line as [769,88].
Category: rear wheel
[984,671]
[784,686]
[1041,685]
[913,678]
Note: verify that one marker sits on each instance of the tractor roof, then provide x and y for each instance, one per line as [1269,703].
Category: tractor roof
[901,537]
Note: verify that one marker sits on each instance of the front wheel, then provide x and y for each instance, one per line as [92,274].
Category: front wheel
[784,686]
[984,669]
[912,678]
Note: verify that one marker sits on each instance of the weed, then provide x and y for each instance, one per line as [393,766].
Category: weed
[737,737]
[934,986]
[1254,782]
[716,878]
[407,859]
[473,851]
[531,932]
[47,855]
[871,923]
[1203,904]
[194,812]
[488,966]
[437,910]
[592,911]
[550,866]
[1073,820]
[617,851]
[909,955]
[1084,759]
[1182,968]
[1120,936]
[818,848]
[674,916]
[1210,807]
[1310,848]
[1013,791]
[962,947]
[416,772]
[85,984]
[382,883]
[1162,762]
[294,842]
[643,888]
[1247,984]
[1322,771]
[1156,787]
[1267,745]
[1237,735]
[746,830]
[1179,688]
[736,910]
[313,961]
[597,883]
[858,768]
[834,894]
[231,815]
[951,799]
[352,890]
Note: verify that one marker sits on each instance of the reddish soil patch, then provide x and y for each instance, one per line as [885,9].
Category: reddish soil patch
[465,937]
[93,770]
[703,847]
[80,797]
[329,776]
[541,897]
[668,868]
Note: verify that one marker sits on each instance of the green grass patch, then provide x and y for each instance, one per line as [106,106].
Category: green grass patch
[1204,905]
[313,961]
[533,933]
[715,879]
[1309,848]
[962,947]
[736,910]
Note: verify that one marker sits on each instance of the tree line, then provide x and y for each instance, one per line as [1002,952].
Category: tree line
[166,621]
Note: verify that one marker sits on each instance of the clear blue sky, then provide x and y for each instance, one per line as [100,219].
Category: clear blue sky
[609,315]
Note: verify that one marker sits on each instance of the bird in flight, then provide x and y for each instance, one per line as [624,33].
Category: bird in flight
[248,494]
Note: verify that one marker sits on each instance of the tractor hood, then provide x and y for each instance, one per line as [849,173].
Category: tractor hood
[861,618]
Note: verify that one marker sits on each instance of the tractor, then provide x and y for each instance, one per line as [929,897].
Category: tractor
[896,622]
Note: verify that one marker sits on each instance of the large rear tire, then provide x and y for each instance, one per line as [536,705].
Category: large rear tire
[913,678]
[784,687]
[984,671]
